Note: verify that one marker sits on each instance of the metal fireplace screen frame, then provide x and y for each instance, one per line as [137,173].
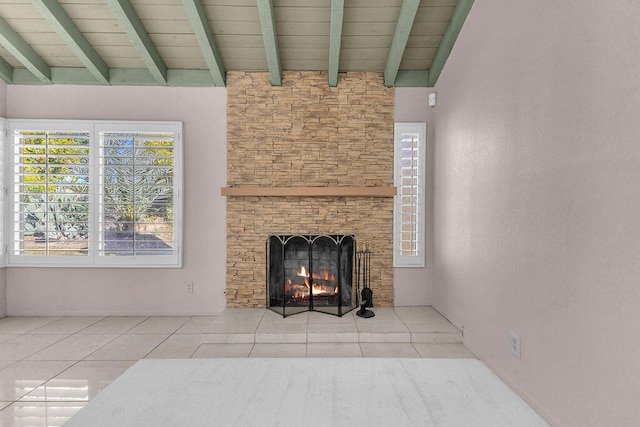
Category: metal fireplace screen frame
[310,273]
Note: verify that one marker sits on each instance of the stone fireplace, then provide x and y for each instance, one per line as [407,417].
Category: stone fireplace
[307,159]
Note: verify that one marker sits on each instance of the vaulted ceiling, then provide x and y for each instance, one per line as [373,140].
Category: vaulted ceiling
[195,42]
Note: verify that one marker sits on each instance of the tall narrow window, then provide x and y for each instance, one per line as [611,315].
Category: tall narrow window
[409,209]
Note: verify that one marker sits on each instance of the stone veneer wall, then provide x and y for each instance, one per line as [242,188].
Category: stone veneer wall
[305,133]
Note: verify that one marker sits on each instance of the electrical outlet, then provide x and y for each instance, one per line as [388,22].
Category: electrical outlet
[189,288]
[514,344]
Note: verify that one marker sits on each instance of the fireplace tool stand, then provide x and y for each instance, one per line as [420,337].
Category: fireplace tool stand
[363,276]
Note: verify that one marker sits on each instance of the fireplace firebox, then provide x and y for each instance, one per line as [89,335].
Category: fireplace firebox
[310,273]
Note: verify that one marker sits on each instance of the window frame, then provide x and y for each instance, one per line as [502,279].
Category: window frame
[93,258]
[399,259]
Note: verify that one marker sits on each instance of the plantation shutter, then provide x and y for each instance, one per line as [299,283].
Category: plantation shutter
[94,193]
[409,218]
[136,193]
[51,193]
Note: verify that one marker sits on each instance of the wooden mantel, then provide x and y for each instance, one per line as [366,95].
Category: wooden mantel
[255,191]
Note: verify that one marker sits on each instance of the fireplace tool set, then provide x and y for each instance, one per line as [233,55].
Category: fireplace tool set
[363,276]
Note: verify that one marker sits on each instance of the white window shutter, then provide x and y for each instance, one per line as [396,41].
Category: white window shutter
[409,207]
[94,193]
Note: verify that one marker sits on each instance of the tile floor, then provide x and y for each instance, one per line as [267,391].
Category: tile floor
[50,367]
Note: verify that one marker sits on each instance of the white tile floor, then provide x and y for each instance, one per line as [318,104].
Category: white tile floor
[50,367]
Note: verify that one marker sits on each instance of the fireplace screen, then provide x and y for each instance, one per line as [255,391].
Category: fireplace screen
[310,273]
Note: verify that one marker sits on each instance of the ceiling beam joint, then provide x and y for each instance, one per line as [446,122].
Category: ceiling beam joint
[270,37]
[130,22]
[400,37]
[204,35]
[62,23]
[23,52]
[458,17]
[6,71]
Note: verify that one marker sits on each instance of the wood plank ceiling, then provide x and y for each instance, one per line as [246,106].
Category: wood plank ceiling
[194,42]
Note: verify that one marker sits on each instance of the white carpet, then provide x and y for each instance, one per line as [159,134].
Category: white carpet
[307,392]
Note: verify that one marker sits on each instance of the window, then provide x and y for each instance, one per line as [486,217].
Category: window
[96,193]
[51,193]
[409,178]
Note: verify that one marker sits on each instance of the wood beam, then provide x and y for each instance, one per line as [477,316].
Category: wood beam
[6,71]
[400,38]
[335,37]
[118,77]
[23,52]
[412,78]
[58,18]
[129,20]
[270,37]
[204,35]
[458,17]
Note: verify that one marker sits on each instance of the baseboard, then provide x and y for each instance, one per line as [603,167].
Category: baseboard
[524,396]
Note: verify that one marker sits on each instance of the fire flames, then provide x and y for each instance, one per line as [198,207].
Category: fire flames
[323,284]
[325,275]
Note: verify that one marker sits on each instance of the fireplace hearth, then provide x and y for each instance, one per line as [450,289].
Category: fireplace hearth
[310,273]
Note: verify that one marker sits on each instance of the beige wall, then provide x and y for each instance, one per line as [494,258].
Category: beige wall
[414,286]
[68,291]
[306,133]
[537,201]
[94,291]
